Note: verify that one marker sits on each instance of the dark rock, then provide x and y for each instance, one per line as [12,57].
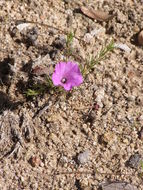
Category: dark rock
[118,186]
[134,161]
[141,134]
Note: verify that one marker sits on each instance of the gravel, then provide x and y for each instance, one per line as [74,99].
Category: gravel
[103,115]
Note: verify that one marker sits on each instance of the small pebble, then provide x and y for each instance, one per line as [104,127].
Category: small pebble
[34,161]
[83,157]
[140,38]
[141,134]
[87,38]
[22,26]
[109,138]
[140,118]
[134,161]
[32,35]
[122,47]
[60,43]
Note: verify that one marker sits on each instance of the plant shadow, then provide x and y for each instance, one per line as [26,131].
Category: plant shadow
[6,103]
[5,70]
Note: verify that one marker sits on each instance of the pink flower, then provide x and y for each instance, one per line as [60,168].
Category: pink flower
[67,75]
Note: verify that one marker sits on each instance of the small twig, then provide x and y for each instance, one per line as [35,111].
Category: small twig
[75,173]
[42,110]
[12,151]
[4,116]
[87,173]
[105,112]
[15,148]
[45,25]
[54,174]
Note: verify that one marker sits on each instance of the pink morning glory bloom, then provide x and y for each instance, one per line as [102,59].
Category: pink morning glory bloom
[67,75]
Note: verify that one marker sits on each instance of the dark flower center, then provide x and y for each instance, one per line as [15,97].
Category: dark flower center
[64,80]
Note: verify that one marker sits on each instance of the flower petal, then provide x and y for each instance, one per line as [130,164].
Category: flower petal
[67,86]
[70,71]
[56,79]
[75,79]
[58,73]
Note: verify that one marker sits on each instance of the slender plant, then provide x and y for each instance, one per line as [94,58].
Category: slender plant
[67,81]
[92,61]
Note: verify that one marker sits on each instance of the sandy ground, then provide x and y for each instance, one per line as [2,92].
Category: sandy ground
[102,119]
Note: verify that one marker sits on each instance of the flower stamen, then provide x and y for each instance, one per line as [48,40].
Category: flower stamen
[64,80]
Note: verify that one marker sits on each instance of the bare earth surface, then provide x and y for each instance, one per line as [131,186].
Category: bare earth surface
[95,134]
